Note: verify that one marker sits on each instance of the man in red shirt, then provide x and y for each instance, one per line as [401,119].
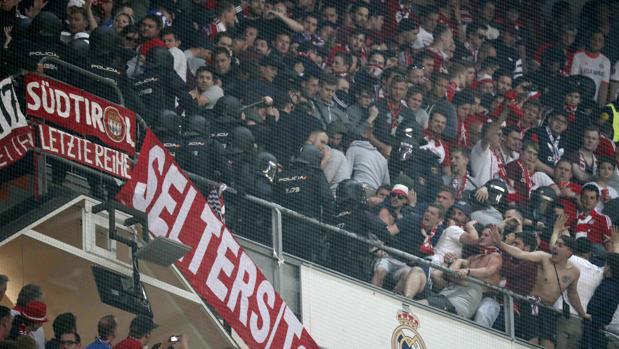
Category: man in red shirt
[139,333]
[569,191]
[592,224]
[520,174]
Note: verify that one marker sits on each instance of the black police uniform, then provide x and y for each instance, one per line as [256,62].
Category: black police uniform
[159,86]
[304,189]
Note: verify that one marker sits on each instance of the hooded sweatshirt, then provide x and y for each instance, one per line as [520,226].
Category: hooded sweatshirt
[368,165]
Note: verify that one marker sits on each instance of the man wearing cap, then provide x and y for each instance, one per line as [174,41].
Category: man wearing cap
[28,294]
[29,320]
[139,333]
[413,234]
[461,231]
[555,273]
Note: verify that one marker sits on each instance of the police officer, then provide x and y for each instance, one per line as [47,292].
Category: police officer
[347,255]
[487,201]
[303,188]
[103,60]
[168,130]
[199,153]
[422,166]
[226,115]
[257,222]
[160,85]
[43,41]
[539,213]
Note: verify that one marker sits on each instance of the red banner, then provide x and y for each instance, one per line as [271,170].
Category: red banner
[80,111]
[217,267]
[85,152]
[15,134]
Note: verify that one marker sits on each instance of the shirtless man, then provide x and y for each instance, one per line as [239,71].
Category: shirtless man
[546,286]
[465,297]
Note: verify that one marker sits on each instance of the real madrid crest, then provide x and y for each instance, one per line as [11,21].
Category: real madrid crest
[405,336]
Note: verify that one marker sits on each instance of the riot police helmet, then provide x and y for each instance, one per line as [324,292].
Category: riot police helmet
[46,24]
[497,190]
[103,41]
[543,199]
[228,109]
[242,139]
[309,155]
[168,121]
[350,193]
[199,124]
[159,57]
[266,165]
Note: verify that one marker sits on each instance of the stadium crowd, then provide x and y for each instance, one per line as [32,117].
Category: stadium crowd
[22,327]
[477,134]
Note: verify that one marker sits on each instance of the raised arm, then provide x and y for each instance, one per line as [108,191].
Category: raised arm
[559,228]
[535,257]
[470,236]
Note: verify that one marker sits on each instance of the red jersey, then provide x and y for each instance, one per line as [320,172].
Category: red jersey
[594,226]
[129,343]
[439,147]
[569,205]
[520,182]
[605,148]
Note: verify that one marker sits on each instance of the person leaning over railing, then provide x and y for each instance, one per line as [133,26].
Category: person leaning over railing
[554,274]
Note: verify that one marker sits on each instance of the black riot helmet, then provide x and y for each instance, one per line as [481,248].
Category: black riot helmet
[198,124]
[79,48]
[169,122]
[309,155]
[497,190]
[103,41]
[350,194]
[242,140]
[159,57]
[266,165]
[543,199]
[228,109]
[46,24]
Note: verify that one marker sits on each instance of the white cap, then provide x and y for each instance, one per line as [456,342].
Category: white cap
[75,3]
[400,189]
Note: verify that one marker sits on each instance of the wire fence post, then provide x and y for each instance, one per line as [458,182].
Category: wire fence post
[508,305]
[278,248]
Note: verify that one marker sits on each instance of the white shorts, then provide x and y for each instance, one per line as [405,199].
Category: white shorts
[394,267]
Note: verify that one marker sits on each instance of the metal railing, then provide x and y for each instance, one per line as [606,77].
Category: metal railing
[277,211]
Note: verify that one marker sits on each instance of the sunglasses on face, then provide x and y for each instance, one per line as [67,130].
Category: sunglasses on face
[131,38]
[398,196]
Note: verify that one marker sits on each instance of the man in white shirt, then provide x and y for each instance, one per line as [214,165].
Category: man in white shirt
[171,41]
[486,158]
[595,65]
[430,20]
